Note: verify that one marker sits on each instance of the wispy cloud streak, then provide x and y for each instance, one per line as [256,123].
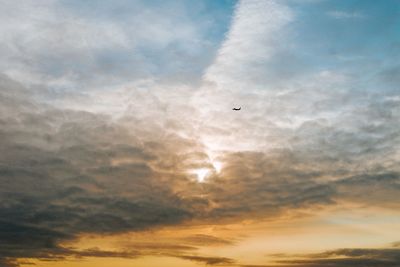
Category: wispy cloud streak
[252,39]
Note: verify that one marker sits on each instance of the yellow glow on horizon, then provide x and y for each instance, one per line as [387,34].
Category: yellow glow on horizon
[252,242]
[148,261]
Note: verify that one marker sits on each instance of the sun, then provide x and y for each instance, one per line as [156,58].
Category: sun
[217,166]
[209,168]
[201,174]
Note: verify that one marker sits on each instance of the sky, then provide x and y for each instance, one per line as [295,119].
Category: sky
[119,145]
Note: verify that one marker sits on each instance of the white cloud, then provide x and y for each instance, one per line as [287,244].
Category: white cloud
[255,34]
[57,46]
[44,43]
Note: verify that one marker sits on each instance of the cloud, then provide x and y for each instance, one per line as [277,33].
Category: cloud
[348,257]
[358,189]
[338,14]
[206,240]
[77,46]
[121,160]
[71,172]
[396,244]
[209,260]
[390,76]
[256,30]
[61,178]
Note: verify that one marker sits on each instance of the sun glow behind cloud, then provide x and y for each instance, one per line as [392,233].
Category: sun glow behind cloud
[217,166]
[201,174]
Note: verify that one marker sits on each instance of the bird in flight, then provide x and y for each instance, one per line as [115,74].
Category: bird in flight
[237,108]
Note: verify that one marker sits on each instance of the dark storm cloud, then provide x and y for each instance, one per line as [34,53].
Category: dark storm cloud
[64,173]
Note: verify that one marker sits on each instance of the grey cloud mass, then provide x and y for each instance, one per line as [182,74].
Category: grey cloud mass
[66,172]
